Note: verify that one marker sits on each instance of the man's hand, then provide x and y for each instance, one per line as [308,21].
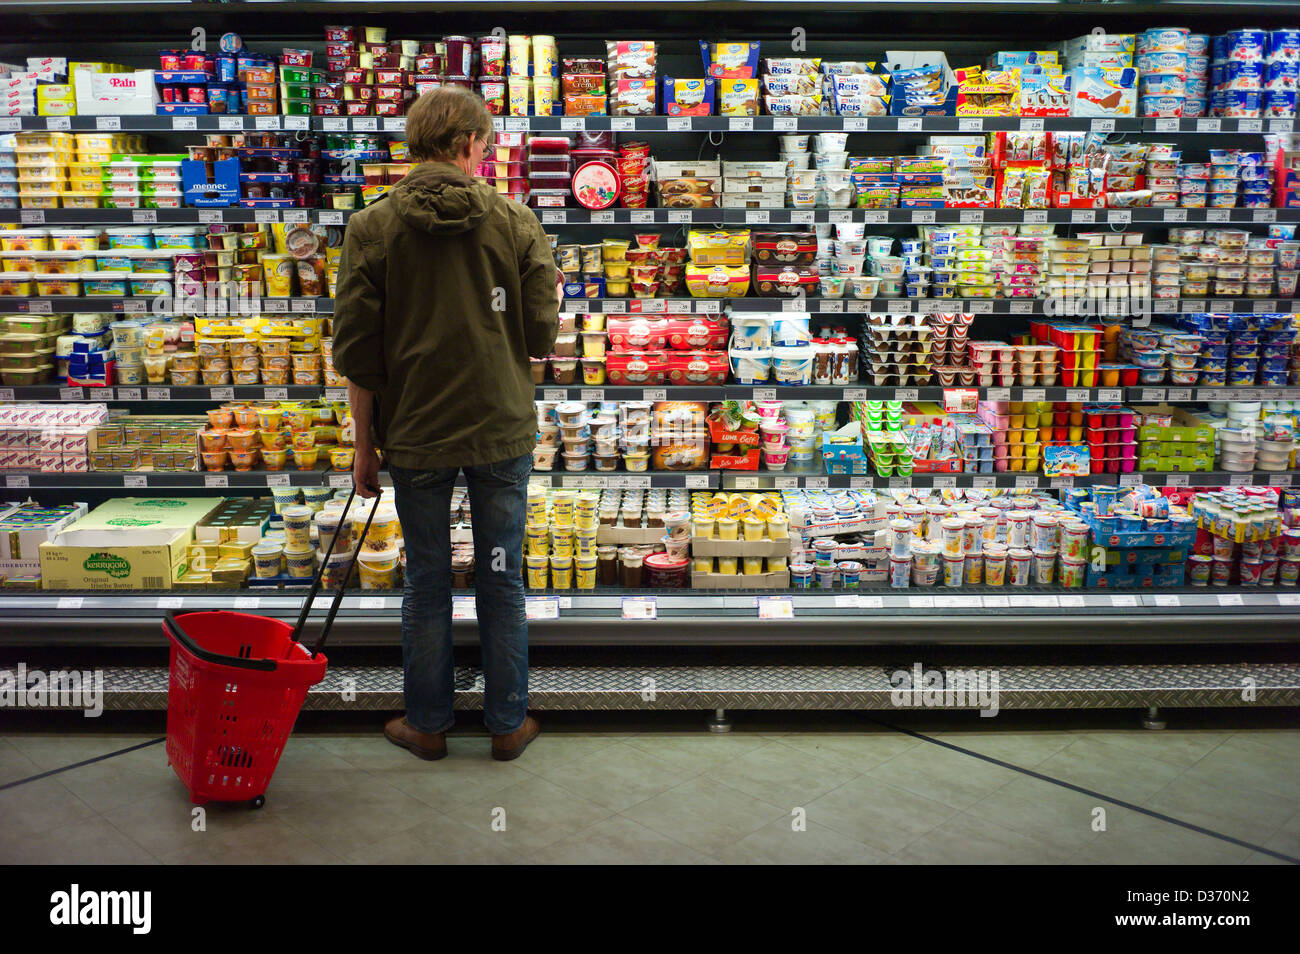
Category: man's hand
[559,287]
[365,472]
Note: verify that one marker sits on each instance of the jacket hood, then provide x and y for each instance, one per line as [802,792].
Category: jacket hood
[437,197]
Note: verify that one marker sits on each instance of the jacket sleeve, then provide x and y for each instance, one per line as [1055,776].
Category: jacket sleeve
[537,281]
[359,311]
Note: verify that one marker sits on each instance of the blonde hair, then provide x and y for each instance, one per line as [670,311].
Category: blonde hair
[442,121]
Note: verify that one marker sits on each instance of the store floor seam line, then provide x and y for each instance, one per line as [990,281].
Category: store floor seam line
[1151,813]
[83,762]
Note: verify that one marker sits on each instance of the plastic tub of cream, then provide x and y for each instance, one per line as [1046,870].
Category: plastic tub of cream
[67,240]
[105,283]
[55,285]
[130,237]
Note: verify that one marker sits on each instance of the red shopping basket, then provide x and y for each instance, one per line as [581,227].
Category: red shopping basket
[237,683]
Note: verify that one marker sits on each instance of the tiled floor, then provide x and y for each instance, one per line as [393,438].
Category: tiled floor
[864,795]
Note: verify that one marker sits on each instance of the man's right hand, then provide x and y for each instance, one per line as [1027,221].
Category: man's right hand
[365,472]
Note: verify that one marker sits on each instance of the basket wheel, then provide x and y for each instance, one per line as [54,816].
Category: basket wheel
[257,802]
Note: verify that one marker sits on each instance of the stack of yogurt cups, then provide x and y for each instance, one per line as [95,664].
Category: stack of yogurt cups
[1165,77]
[773,430]
[1254,73]
[800,176]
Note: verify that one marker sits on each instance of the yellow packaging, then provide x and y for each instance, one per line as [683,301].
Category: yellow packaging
[717,281]
[719,247]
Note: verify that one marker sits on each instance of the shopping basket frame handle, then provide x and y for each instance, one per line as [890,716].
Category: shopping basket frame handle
[173,628]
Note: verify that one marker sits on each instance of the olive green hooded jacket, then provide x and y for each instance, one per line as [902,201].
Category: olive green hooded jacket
[444,291]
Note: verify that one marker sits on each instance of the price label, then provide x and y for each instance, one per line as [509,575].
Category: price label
[275,305]
[764,394]
[1061,483]
[997,394]
[1289,599]
[128,394]
[339,480]
[846,601]
[640,607]
[1209,125]
[654,394]
[900,483]
[900,305]
[32,216]
[614,306]
[817,483]
[1087,216]
[277,394]
[980,307]
[921,217]
[301,305]
[372,603]
[573,123]
[970,124]
[1279,480]
[1280,125]
[1156,395]
[1238,480]
[1123,599]
[957,602]
[296,216]
[395,124]
[334,124]
[277,480]
[553,218]
[593,394]
[855,124]
[1130,480]
[111,123]
[1217,215]
[578,306]
[870,602]
[803,218]
[295,122]
[16,481]
[266,123]
[158,394]
[1120,217]
[6,394]
[1110,395]
[907,394]
[1263,215]
[1168,599]
[519,124]
[1026,482]
[874,217]
[1179,394]
[1174,215]
[72,394]
[622,124]
[1176,480]
[994,602]
[170,602]
[1021,308]
[758,217]
[266,215]
[775,607]
[1036,217]
[642,217]
[1033,394]
[336,394]
[602,218]
[247,602]
[786,483]
[1077,394]
[329,217]
[216,480]
[1032,125]
[971,216]
[1221,304]
[1102,125]
[679,124]
[211,216]
[367,124]
[70,602]
[10,124]
[144,216]
[794,304]
[230,123]
[676,217]
[944,480]
[859,483]
[746,483]
[463,607]
[909,125]
[1166,125]
[920,602]
[223,394]
[542,607]
[697,481]
[742,124]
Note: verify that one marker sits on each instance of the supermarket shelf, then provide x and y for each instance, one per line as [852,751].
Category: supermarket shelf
[695,480]
[661,124]
[170,216]
[767,480]
[624,217]
[146,304]
[550,392]
[162,305]
[717,617]
[787,687]
[782,216]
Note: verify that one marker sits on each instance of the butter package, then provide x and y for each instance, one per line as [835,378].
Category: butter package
[688,97]
[737,97]
[730,60]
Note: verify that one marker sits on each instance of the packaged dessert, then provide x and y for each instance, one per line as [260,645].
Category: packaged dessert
[738,97]
[730,60]
[717,281]
[698,332]
[719,247]
[688,97]
[632,97]
[786,248]
[630,59]
[784,281]
[635,368]
[699,368]
[637,333]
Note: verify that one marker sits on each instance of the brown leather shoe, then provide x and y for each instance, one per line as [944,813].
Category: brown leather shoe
[430,746]
[512,744]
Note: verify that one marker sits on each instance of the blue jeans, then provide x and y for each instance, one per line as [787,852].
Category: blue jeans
[498,493]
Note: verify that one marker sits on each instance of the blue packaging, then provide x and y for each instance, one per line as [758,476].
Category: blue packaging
[1216,75]
[226,67]
[1219,47]
[1196,87]
[1282,76]
[1244,75]
[1241,103]
[1248,46]
[1198,65]
[1163,40]
[1198,44]
[1284,46]
[1168,62]
[1279,104]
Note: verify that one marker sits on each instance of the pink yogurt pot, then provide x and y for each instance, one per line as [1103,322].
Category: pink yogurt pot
[775,460]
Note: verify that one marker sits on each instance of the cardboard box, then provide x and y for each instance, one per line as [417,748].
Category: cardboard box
[101,561]
[125,94]
[140,513]
[740,548]
[628,536]
[780,580]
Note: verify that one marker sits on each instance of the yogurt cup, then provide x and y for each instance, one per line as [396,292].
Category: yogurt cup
[297,527]
[268,558]
[378,568]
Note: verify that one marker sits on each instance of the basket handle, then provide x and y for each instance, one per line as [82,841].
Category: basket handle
[338,597]
[172,627]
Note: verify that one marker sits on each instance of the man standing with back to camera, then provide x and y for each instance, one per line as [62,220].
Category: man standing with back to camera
[445,289]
